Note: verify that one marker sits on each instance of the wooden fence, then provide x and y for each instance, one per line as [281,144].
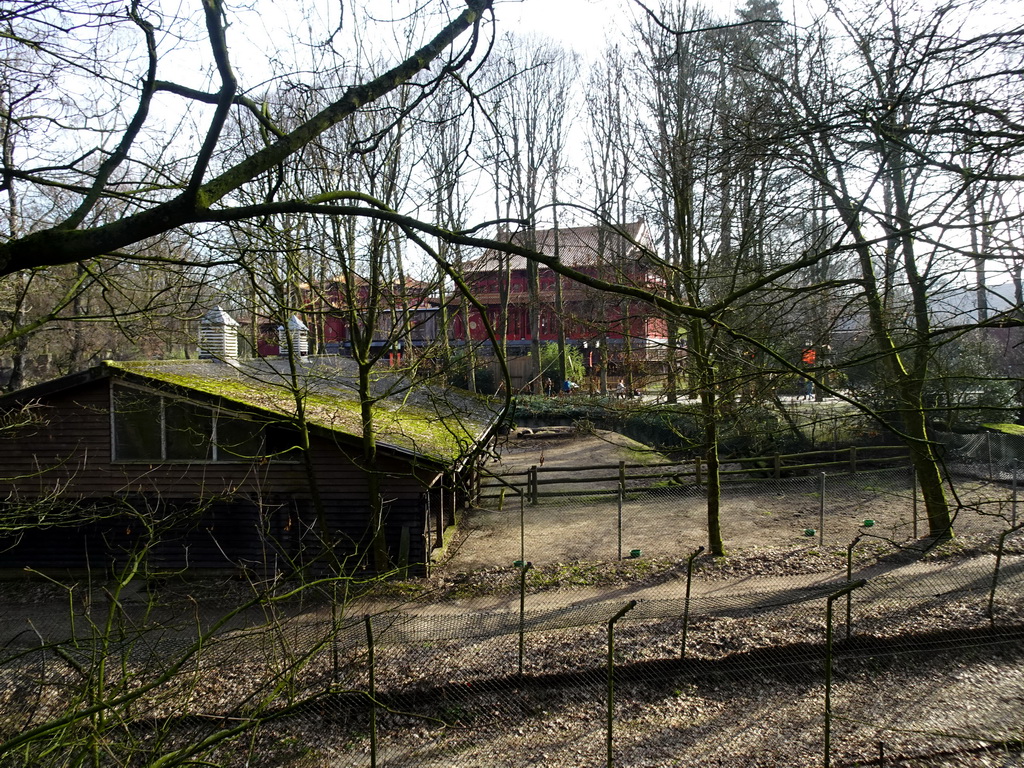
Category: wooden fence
[613,478]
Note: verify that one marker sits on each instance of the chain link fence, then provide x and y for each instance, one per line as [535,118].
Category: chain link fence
[667,520]
[872,654]
[988,455]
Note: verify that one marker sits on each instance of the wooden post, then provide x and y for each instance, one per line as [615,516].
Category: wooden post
[778,466]
[853,458]
[533,484]
[697,470]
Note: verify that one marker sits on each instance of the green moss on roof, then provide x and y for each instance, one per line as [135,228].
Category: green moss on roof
[1009,429]
[437,424]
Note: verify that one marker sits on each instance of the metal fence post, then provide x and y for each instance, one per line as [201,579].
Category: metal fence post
[611,674]
[622,495]
[995,572]
[828,664]
[371,658]
[686,602]
[821,510]
[849,576]
[522,527]
[522,613]
[619,523]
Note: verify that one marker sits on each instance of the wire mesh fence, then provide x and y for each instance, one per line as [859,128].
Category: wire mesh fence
[665,520]
[922,666]
[988,455]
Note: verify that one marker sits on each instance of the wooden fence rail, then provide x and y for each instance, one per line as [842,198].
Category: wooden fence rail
[693,472]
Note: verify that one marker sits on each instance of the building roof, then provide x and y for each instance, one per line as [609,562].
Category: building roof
[577,246]
[408,293]
[426,422]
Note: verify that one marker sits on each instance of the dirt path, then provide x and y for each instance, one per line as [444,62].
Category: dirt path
[912,579]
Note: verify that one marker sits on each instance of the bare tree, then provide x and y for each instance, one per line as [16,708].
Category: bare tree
[710,201]
[446,133]
[182,187]
[530,100]
[884,134]
[612,147]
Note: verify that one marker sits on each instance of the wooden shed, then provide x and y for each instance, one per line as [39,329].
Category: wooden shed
[250,464]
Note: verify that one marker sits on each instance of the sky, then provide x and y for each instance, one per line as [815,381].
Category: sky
[584,24]
[581,24]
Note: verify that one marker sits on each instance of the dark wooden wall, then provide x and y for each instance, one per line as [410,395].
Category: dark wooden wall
[206,514]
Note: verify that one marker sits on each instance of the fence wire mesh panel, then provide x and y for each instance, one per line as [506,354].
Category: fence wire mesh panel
[668,519]
[565,632]
[924,668]
[990,456]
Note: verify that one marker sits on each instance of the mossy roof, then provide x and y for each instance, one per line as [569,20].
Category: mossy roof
[1008,429]
[441,424]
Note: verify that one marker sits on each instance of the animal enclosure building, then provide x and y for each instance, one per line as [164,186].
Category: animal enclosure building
[222,462]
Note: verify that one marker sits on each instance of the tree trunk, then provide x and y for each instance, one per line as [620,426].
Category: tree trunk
[533,284]
[714,477]
[671,363]
[704,374]
[470,347]
[378,541]
[559,318]
[926,465]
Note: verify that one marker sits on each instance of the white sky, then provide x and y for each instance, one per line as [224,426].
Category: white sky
[585,24]
[582,24]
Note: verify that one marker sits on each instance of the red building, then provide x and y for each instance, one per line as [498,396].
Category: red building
[627,328]
[617,334]
[405,317]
